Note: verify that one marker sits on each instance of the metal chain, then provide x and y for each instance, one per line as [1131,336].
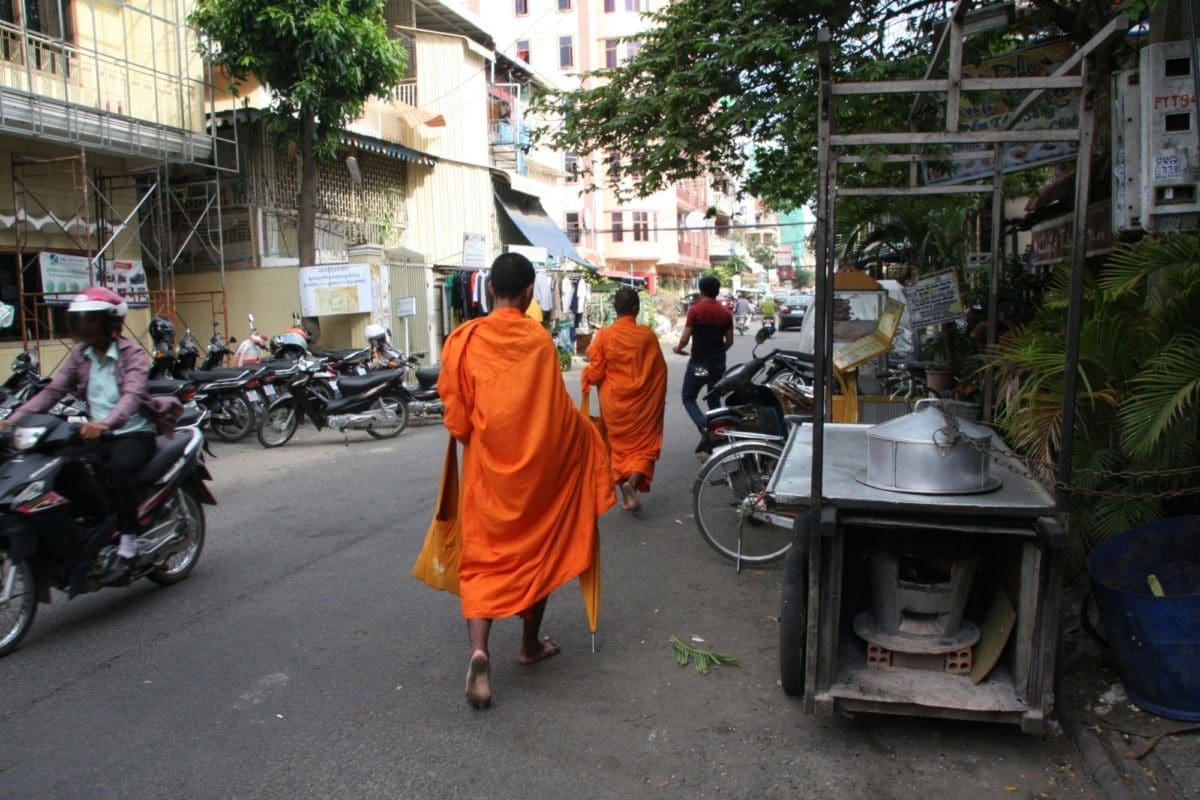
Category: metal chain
[1010,460]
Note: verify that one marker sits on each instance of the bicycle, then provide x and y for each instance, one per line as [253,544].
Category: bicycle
[734,512]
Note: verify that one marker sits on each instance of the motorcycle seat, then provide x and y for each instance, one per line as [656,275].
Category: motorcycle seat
[428,376]
[167,452]
[218,374]
[165,385]
[357,384]
[339,355]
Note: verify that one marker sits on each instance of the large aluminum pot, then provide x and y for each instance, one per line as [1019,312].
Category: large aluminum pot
[930,451]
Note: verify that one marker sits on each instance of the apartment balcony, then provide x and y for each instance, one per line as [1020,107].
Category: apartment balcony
[507,145]
[56,91]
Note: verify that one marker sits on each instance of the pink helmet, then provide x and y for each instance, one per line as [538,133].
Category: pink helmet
[99,299]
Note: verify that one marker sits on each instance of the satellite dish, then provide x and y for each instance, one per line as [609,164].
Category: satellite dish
[696,221]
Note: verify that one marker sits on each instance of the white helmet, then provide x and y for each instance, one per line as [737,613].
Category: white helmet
[376,332]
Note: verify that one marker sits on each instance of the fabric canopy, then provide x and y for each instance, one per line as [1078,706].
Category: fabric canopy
[535,226]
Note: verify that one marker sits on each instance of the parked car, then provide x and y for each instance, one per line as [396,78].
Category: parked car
[792,310]
[727,300]
[687,300]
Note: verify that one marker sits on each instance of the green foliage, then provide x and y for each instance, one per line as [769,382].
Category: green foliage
[704,660]
[318,57]
[732,84]
[1137,428]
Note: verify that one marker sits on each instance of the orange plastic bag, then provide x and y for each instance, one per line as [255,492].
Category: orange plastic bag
[585,407]
[437,565]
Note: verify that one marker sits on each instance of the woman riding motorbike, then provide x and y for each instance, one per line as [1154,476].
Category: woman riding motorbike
[109,370]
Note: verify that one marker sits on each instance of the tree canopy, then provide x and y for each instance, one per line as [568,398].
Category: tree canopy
[732,85]
[320,60]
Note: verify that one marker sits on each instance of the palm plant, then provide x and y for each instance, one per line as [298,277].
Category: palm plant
[1137,425]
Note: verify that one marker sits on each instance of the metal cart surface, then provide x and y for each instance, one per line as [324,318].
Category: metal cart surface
[817,654]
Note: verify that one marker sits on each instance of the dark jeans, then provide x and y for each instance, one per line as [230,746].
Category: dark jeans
[121,458]
[692,384]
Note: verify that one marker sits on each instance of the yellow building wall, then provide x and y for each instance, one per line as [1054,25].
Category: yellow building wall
[443,204]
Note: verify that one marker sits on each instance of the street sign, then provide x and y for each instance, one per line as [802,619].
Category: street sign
[406,306]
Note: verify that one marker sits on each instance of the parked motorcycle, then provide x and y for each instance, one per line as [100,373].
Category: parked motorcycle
[57,526]
[231,395]
[186,355]
[217,349]
[162,357]
[253,349]
[757,397]
[24,382]
[376,403]
[424,401]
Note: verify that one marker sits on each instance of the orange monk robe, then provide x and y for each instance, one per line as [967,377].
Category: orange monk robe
[626,364]
[536,474]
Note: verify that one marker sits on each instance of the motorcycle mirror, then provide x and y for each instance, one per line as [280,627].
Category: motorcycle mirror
[762,335]
[251,318]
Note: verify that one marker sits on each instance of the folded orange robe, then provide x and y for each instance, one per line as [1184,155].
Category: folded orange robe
[626,364]
[536,474]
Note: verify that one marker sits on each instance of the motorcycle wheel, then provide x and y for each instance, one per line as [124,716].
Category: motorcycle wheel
[16,615]
[236,418]
[181,563]
[399,408]
[278,426]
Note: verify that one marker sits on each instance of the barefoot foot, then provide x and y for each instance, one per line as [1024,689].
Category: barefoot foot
[630,499]
[545,648]
[479,681]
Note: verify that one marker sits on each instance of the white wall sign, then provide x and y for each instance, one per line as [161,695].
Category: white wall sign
[335,289]
[538,256]
[63,275]
[406,306]
[934,299]
[474,251]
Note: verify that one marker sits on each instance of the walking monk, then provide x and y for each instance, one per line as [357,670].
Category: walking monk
[626,365]
[535,477]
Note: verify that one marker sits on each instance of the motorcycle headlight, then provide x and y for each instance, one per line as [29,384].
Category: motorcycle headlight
[25,438]
[30,492]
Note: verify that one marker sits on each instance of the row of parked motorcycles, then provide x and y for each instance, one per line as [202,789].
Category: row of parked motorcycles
[276,385]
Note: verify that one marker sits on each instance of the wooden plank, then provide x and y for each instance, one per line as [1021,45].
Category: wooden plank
[813,619]
[867,191]
[906,158]
[1038,83]
[943,137]
[1028,598]
[954,95]
[939,53]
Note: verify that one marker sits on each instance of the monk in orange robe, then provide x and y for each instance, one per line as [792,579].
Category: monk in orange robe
[626,365]
[536,474]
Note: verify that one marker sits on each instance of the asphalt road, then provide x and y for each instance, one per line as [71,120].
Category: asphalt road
[301,660]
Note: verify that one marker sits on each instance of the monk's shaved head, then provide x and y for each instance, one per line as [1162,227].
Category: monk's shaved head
[512,273]
[626,302]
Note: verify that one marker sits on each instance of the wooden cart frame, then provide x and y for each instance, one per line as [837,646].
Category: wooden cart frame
[809,624]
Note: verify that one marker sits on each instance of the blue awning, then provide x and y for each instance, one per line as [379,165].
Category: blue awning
[535,226]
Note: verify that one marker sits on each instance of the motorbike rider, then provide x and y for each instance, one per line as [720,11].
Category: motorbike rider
[109,370]
[741,311]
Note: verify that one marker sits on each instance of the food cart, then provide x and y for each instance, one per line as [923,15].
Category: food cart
[926,600]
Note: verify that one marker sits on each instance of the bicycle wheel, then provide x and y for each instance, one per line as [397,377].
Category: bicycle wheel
[733,511]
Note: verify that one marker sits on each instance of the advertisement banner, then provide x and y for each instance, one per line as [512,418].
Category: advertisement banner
[128,279]
[980,111]
[474,251]
[63,276]
[335,289]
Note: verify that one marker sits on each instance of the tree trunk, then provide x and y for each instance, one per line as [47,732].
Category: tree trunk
[306,205]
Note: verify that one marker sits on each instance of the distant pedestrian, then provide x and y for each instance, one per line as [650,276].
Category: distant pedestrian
[710,325]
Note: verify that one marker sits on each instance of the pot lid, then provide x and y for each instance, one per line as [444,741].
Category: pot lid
[932,423]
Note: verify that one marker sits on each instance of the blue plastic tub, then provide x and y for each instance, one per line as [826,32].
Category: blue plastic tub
[1155,640]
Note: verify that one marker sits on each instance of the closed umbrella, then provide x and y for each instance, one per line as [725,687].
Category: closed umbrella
[589,582]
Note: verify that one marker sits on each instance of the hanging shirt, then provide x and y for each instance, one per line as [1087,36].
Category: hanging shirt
[543,293]
[568,295]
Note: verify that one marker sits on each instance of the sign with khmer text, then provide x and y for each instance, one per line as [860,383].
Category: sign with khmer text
[335,289]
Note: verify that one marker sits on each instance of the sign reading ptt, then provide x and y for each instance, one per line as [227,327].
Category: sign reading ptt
[1165,101]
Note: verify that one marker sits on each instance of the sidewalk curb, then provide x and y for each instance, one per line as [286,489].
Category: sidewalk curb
[1095,758]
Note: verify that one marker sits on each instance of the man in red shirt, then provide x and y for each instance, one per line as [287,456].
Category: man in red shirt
[709,328]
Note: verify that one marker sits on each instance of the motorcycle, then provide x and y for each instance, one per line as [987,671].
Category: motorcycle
[768,327]
[424,402]
[376,403]
[755,400]
[57,527]
[24,382]
[232,397]
[217,350]
[186,355]
[162,357]
[253,349]
[741,323]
